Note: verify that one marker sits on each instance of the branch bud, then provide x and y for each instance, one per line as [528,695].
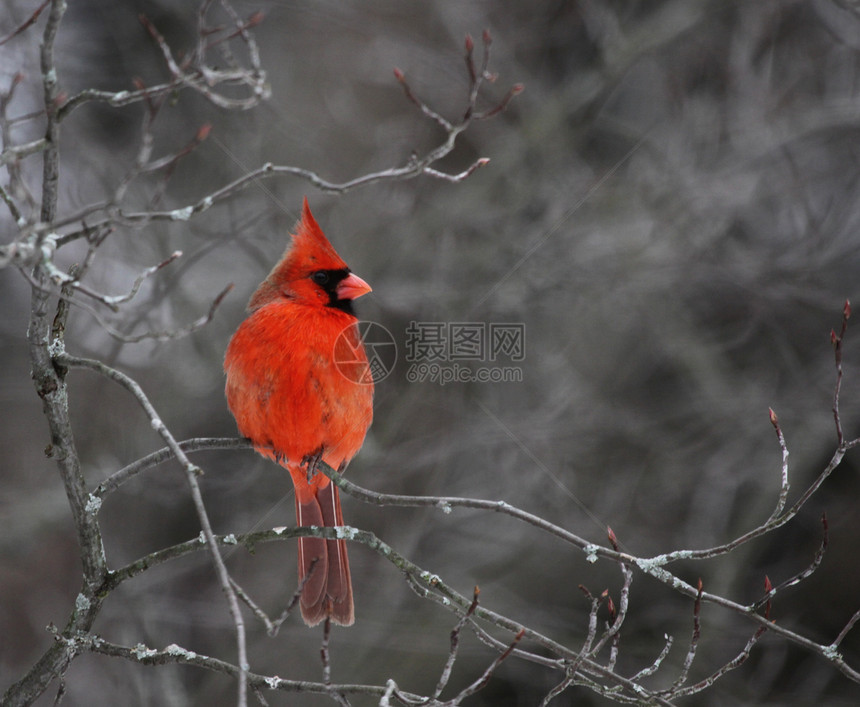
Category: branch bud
[610,606]
[203,132]
[611,535]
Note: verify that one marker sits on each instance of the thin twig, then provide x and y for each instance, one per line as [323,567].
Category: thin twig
[157,335]
[658,661]
[167,334]
[694,642]
[736,662]
[616,616]
[24,25]
[837,340]
[846,629]
[592,620]
[445,676]
[478,684]
[802,575]
[272,625]
[118,478]
[17,152]
[784,485]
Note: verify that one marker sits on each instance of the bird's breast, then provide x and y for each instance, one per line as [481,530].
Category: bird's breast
[298,381]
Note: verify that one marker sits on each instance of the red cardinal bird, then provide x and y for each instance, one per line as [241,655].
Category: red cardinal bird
[299,386]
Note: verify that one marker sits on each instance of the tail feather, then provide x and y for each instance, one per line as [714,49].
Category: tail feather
[313,557]
[323,564]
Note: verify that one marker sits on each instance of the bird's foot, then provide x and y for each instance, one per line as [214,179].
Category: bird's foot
[311,462]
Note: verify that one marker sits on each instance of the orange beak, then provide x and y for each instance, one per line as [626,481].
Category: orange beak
[352,287]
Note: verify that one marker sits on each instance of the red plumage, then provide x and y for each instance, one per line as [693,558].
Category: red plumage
[299,386]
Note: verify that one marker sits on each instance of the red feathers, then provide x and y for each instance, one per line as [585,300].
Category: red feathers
[295,404]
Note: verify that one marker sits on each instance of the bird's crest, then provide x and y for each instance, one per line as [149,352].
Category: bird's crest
[309,251]
[309,244]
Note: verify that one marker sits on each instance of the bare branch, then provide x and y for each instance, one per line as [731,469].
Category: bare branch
[17,152]
[167,334]
[694,642]
[423,107]
[654,567]
[837,340]
[71,284]
[115,480]
[51,96]
[488,673]
[513,91]
[800,576]
[112,301]
[195,73]
[846,630]
[24,25]
[736,662]
[658,661]
[16,214]
[616,616]
[272,625]
[191,473]
[784,486]
[174,654]
[455,643]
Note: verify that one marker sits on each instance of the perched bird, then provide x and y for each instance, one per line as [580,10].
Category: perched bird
[299,386]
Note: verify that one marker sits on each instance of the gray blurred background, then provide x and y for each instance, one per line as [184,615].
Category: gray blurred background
[671,211]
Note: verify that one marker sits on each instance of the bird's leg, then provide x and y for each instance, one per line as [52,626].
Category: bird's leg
[311,462]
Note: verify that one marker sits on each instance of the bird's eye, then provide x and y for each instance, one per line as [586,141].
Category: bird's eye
[320,277]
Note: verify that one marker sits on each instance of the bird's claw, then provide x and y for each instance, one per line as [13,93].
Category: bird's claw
[311,462]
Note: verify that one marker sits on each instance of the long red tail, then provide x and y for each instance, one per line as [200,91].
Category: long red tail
[323,564]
